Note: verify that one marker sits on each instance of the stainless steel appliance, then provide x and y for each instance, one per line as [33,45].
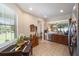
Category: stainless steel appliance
[72,37]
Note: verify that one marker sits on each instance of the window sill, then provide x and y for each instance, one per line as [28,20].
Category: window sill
[5,45]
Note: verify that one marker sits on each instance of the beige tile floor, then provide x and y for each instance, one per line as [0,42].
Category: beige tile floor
[46,48]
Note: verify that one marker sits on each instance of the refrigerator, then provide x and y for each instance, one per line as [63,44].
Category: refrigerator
[72,38]
[73,33]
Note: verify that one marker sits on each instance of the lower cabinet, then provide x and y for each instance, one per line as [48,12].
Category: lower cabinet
[62,39]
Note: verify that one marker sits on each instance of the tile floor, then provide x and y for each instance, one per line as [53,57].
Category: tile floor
[46,48]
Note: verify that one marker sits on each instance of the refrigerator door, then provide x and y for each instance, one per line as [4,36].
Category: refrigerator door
[72,38]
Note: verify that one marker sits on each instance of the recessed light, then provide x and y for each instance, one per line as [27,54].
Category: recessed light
[61,11]
[45,16]
[30,8]
[74,7]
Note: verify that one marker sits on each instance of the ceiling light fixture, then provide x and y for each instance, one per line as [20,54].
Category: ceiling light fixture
[74,7]
[30,8]
[45,16]
[61,11]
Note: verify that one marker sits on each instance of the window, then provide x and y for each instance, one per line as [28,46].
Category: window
[63,27]
[7,24]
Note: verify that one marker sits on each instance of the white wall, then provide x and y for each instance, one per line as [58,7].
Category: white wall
[59,22]
[59,18]
[29,19]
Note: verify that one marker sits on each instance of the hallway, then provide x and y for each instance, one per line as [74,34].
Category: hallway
[46,48]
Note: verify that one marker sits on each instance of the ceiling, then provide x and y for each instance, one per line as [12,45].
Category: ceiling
[47,10]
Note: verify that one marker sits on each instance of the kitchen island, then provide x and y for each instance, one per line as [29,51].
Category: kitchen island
[59,38]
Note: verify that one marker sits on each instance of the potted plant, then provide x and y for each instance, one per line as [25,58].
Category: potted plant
[26,38]
[20,40]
